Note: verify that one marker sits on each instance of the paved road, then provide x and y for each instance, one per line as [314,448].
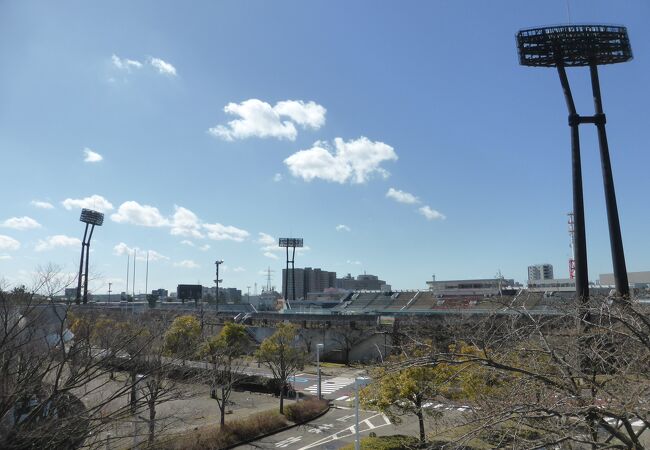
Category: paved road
[332,431]
[337,429]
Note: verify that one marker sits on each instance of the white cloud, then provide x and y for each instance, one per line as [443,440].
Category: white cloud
[271,255]
[163,67]
[141,255]
[21,223]
[8,243]
[402,196]
[5,257]
[154,256]
[96,202]
[259,119]
[188,243]
[354,161]
[219,232]
[125,64]
[122,249]
[185,223]
[205,247]
[42,205]
[137,214]
[239,269]
[431,214]
[308,114]
[92,156]
[356,263]
[277,177]
[265,239]
[342,227]
[187,264]
[56,241]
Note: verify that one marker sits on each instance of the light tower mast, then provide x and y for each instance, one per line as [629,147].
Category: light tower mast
[572,235]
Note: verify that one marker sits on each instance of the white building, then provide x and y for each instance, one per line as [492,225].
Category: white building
[635,279]
[540,272]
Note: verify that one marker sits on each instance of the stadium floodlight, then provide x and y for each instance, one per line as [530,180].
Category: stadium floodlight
[579,46]
[90,218]
[290,243]
[573,45]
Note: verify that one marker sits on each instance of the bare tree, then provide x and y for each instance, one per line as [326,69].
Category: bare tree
[282,356]
[576,375]
[55,386]
[223,353]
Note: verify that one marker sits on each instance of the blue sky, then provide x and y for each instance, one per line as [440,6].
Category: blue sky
[399,138]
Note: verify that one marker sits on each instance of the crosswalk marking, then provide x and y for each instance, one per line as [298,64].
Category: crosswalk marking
[331,385]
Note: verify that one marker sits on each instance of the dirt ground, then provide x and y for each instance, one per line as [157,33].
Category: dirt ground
[190,407]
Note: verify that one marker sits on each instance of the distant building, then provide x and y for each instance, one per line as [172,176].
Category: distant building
[307,280]
[226,295]
[266,301]
[365,282]
[540,272]
[477,287]
[554,285]
[160,294]
[635,279]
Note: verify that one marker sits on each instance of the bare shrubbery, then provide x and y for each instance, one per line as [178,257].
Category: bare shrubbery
[238,430]
[304,411]
[576,376]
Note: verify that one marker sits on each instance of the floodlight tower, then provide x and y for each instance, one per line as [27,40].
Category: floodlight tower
[290,243]
[90,218]
[579,46]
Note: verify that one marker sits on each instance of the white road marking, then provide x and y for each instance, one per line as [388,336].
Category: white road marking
[331,385]
[344,418]
[348,431]
[287,442]
[340,399]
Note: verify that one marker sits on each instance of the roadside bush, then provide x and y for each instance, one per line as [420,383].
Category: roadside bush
[306,410]
[231,433]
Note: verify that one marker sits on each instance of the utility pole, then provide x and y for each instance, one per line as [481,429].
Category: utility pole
[109,291]
[135,252]
[217,281]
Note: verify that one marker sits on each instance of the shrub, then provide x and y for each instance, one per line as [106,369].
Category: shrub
[305,410]
[230,434]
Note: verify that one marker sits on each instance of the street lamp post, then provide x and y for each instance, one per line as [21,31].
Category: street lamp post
[217,281]
[318,348]
[357,382]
